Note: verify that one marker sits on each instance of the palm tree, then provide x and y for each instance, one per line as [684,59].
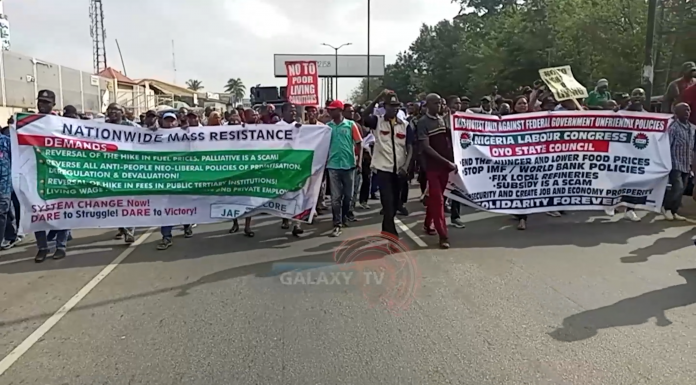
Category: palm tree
[236,89]
[194,85]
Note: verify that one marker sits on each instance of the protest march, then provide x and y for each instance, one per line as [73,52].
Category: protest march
[542,152]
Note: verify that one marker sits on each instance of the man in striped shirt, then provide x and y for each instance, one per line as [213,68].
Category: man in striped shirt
[681,144]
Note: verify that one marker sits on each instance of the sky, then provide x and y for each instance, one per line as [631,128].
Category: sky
[216,40]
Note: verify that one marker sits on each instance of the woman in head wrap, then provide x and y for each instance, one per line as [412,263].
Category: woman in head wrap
[214,119]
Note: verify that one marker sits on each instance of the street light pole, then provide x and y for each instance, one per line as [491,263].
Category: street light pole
[367,83]
[336,63]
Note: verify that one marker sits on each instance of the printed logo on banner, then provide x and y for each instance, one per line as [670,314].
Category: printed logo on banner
[465,140]
[640,141]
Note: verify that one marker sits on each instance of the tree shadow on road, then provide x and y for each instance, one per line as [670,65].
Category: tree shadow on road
[630,311]
[662,246]
[575,228]
[268,236]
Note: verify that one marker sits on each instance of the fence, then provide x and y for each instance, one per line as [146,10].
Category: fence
[21,77]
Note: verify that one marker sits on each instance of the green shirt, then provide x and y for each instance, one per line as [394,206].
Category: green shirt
[597,99]
[344,136]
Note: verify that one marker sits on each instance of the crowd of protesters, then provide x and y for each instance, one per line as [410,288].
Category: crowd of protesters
[379,149]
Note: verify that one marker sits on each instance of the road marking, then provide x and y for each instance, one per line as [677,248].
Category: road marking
[15,261]
[22,348]
[410,233]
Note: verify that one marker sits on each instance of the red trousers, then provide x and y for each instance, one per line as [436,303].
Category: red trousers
[435,212]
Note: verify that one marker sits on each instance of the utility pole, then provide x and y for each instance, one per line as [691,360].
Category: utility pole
[367,83]
[648,67]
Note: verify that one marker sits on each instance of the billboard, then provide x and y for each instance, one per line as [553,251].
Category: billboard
[349,66]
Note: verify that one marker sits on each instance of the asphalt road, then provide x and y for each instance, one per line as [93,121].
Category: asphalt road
[581,299]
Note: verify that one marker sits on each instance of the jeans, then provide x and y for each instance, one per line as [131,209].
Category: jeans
[435,212]
[673,195]
[167,231]
[375,185]
[390,185]
[7,218]
[17,210]
[341,182]
[454,209]
[357,181]
[61,239]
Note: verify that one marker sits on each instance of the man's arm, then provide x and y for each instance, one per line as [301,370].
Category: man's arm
[410,139]
[357,139]
[668,99]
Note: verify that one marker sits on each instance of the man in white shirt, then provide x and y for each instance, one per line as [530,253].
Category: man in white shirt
[289,112]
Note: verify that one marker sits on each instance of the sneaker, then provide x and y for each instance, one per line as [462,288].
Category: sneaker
[119,234]
[610,211]
[458,223]
[364,205]
[668,214]
[554,214]
[632,216]
[164,244]
[188,233]
[678,217]
[402,211]
[336,232]
[59,254]
[351,218]
[128,237]
[297,231]
[6,245]
[41,256]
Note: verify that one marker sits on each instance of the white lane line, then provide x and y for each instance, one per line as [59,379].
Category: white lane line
[15,261]
[22,348]
[410,233]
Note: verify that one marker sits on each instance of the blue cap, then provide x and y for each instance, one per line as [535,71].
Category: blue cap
[169,115]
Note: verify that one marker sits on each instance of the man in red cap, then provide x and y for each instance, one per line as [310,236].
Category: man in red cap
[345,136]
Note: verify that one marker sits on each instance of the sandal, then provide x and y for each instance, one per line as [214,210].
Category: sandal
[522,225]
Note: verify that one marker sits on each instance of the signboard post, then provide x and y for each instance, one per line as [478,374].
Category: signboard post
[561,82]
[303,83]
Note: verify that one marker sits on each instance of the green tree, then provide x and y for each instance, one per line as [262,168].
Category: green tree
[504,43]
[236,89]
[194,85]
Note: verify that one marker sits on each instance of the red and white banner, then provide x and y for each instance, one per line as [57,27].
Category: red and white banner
[303,83]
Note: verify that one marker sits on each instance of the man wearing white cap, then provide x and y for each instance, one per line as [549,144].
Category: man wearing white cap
[597,97]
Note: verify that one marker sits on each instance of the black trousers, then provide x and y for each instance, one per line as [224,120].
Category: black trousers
[404,190]
[390,194]
[366,182]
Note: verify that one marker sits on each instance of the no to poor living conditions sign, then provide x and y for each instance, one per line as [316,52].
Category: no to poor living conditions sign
[549,161]
[303,83]
[84,174]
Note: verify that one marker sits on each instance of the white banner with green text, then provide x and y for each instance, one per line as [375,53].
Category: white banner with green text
[71,174]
